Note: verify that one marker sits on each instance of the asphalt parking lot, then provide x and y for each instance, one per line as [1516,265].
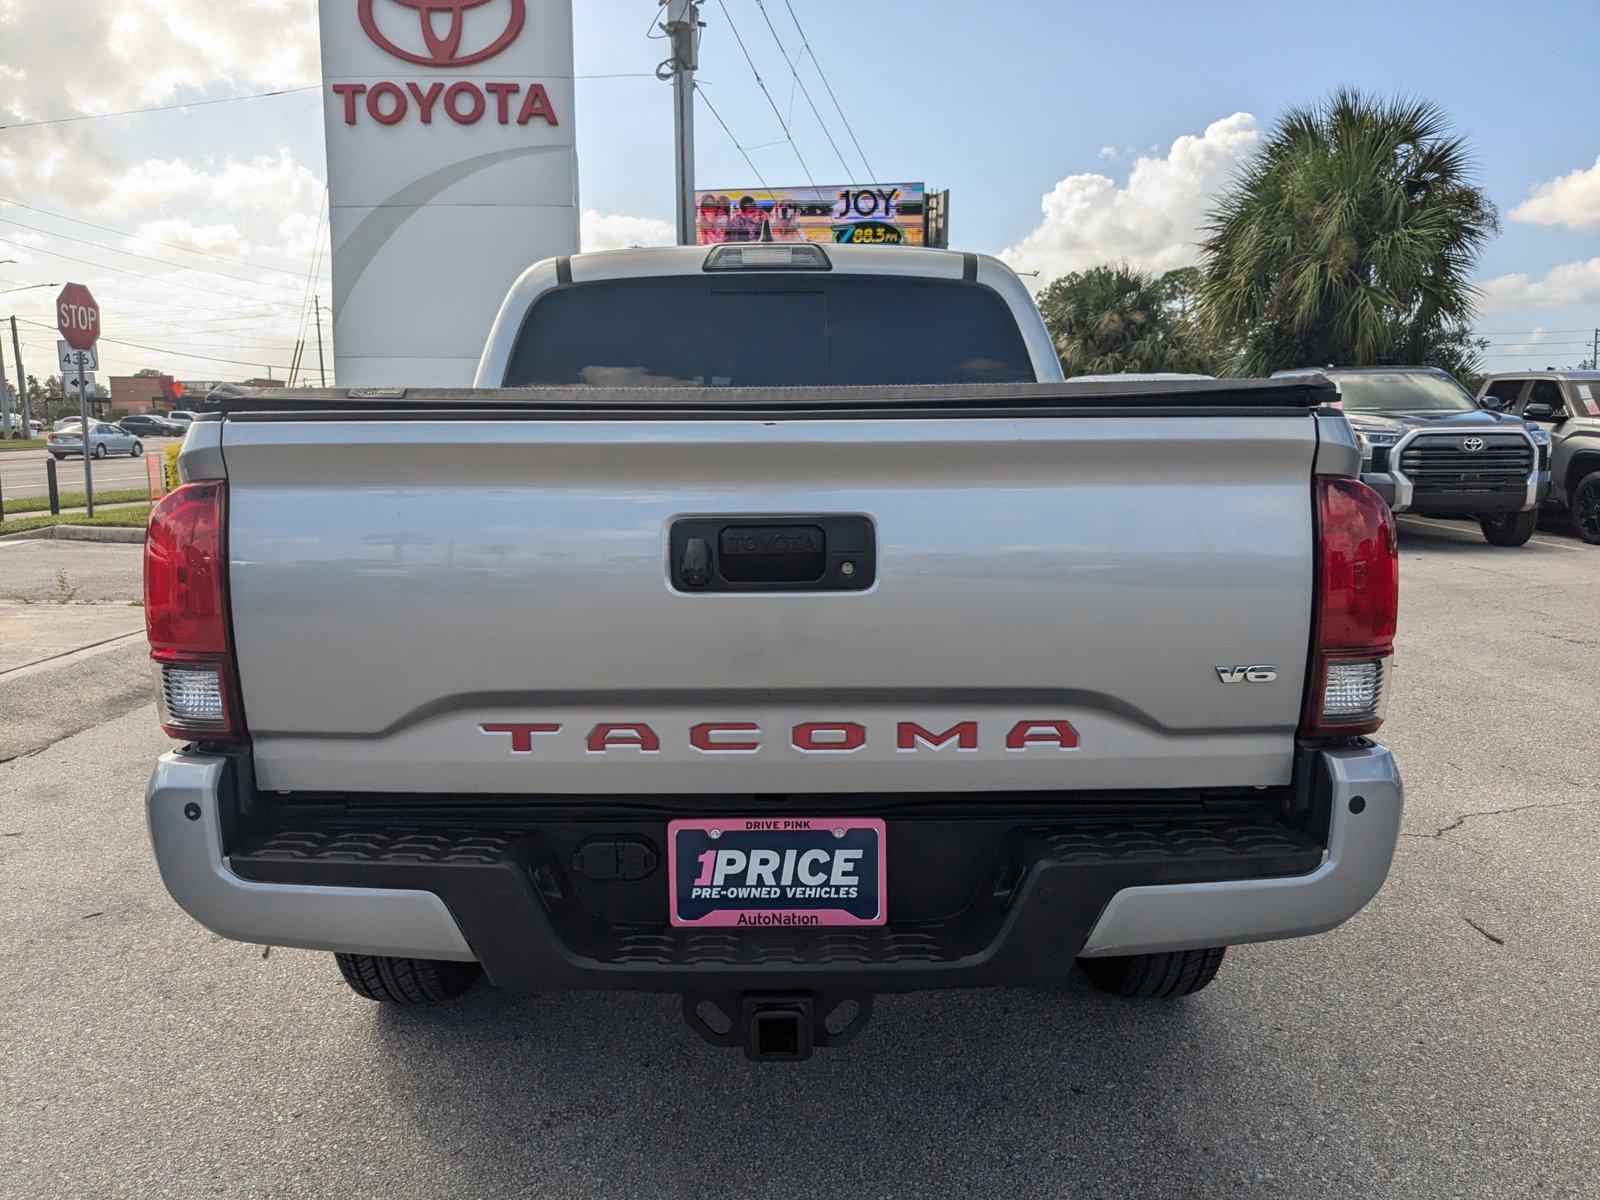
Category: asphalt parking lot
[1441,1044]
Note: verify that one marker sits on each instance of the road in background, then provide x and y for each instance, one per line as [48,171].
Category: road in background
[22,472]
[1440,1044]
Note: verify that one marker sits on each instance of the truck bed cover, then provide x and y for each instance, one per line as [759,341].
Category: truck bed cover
[1154,398]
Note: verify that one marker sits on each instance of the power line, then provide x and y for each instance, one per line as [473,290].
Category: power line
[804,91]
[311,275]
[194,287]
[153,241]
[238,362]
[1521,332]
[805,43]
[160,262]
[782,124]
[699,91]
[132,112]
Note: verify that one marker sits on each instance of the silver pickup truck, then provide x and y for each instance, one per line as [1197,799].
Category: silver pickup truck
[772,626]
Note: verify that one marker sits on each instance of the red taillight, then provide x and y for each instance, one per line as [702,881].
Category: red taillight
[1357,604]
[186,614]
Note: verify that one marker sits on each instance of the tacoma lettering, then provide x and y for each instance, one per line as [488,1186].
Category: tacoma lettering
[808,737]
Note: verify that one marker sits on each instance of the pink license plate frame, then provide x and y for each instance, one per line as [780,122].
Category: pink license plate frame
[778,833]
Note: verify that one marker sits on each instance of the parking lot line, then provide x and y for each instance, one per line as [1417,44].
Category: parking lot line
[1406,519]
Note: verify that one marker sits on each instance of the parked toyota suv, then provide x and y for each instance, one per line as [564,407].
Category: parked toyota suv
[1428,448]
[1566,406]
[780,630]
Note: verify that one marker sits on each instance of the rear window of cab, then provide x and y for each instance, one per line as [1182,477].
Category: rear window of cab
[769,330]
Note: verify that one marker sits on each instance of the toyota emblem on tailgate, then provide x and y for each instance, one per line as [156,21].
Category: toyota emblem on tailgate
[1472,444]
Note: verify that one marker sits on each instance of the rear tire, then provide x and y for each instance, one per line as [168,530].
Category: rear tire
[100,450]
[1509,529]
[1586,508]
[1154,976]
[409,981]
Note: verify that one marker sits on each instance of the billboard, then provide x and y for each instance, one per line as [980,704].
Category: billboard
[451,167]
[879,214]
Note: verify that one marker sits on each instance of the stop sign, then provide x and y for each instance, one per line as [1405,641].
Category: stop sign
[78,316]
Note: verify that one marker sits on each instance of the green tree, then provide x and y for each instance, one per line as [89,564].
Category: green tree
[1349,239]
[1111,319]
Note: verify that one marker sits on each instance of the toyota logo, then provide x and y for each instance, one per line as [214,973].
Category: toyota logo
[443,25]
[1472,444]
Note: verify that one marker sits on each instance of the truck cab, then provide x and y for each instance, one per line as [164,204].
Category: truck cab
[768,315]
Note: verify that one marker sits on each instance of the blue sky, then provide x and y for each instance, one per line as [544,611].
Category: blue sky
[1124,115]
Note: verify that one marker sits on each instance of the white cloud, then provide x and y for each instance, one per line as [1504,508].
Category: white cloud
[267,184]
[178,231]
[1570,284]
[237,198]
[1571,200]
[72,56]
[1532,344]
[600,232]
[1152,221]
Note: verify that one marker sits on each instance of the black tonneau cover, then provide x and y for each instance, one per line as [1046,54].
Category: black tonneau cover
[1153,397]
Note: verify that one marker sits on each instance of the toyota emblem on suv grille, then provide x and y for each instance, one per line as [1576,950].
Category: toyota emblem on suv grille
[1473,444]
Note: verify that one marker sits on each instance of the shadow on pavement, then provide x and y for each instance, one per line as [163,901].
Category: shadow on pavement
[949,1093]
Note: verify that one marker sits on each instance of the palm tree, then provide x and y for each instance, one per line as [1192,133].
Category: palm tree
[1349,239]
[1111,319]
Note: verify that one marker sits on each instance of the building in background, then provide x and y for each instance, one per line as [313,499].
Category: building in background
[157,393]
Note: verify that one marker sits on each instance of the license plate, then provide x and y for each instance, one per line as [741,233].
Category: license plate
[776,872]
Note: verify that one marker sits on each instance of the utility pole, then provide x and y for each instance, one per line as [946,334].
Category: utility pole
[5,402]
[322,370]
[682,25]
[22,380]
[5,399]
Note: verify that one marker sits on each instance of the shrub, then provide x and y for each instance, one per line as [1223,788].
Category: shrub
[170,463]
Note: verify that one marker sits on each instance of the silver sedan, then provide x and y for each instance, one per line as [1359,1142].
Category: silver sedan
[104,439]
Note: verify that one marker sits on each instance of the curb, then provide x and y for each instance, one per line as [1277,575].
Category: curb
[77,533]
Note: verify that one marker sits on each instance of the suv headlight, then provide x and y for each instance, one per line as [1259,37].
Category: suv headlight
[1539,434]
[1375,446]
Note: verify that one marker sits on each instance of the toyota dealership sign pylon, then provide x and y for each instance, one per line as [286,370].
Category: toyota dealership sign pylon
[451,167]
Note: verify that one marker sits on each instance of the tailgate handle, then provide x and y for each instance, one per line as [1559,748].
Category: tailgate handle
[764,554]
[772,553]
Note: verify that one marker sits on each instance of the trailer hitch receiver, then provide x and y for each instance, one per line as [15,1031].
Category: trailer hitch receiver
[777,1026]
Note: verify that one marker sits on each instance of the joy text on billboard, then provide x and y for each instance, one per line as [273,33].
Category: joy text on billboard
[862,215]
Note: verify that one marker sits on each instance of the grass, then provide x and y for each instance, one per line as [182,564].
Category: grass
[132,517]
[28,504]
[21,444]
